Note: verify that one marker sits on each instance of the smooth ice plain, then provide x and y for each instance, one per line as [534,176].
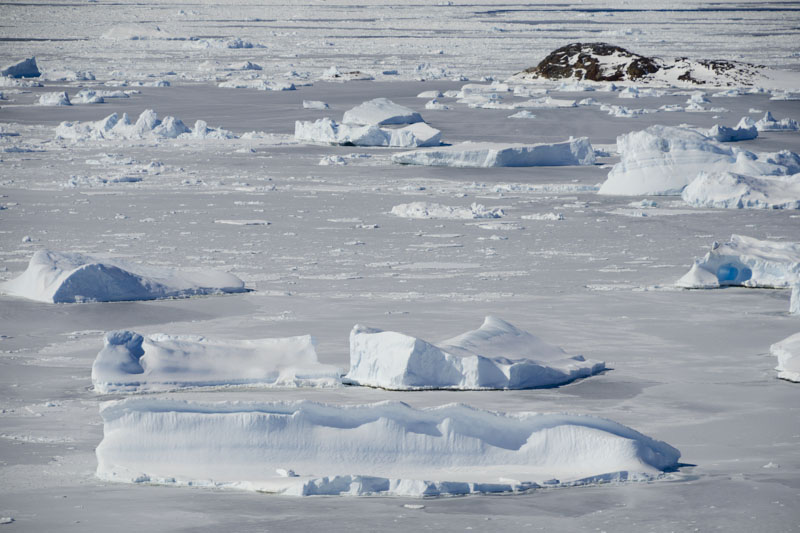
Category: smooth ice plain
[205,176]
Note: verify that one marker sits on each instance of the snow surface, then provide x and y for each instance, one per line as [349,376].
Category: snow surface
[327,131]
[304,448]
[55,277]
[737,191]
[748,262]
[495,356]
[788,353]
[483,155]
[380,112]
[130,362]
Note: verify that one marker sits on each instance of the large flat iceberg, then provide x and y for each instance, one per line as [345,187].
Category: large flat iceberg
[328,131]
[662,160]
[55,277]
[495,356]
[304,448]
[737,191]
[788,353]
[381,111]
[747,262]
[130,362]
[482,155]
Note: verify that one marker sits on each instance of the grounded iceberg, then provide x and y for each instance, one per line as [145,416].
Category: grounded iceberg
[328,131]
[662,160]
[495,356]
[304,448]
[54,277]
[21,69]
[148,125]
[747,262]
[737,191]
[130,362]
[472,154]
[788,353]
[379,112]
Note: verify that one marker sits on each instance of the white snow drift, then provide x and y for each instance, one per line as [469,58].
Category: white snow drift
[662,160]
[737,191]
[788,353]
[495,356]
[130,362]
[147,126]
[328,131]
[471,154]
[747,262]
[388,448]
[55,277]
[434,210]
[379,112]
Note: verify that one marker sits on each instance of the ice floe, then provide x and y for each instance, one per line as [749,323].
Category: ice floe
[55,277]
[748,262]
[496,356]
[434,210]
[474,154]
[380,112]
[303,448]
[130,362]
[788,353]
[328,131]
[148,125]
[737,191]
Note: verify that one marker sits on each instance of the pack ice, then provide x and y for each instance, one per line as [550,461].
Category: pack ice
[483,154]
[737,191]
[328,131]
[130,362]
[147,126]
[788,353]
[495,356]
[747,262]
[662,160]
[304,448]
[55,277]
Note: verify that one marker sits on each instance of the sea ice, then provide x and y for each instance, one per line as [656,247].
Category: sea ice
[328,131]
[54,277]
[747,262]
[472,154]
[434,210]
[130,362]
[495,356]
[737,191]
[788,353]
[380,112]
[303,448]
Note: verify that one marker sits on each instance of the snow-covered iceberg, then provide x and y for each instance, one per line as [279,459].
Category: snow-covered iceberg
[724,134]
[130,362]
[788,353]
[328,131]
[304,448]
[21,69]
[54,99]
[473,154]
[380,112]
[55,277]
[747,262]
[769,123]
[147,126]
[737,191]
[434,210]
[495,356]
[662,160]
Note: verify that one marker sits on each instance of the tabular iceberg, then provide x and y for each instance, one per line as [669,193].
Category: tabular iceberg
[379,112]
[482,155]
[495,356]
[304,448]
[55,277]
[788,353]
[130,362]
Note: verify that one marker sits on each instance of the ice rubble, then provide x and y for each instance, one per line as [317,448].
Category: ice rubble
[434,210]
[495,356]
[736,191]
[54,99]
[472,154]
[130,362]
[304,448]
[146,126]
[21,69]
[55,277]
[788,353]
[380,112]
[662,160]
[329,131]
[748,262]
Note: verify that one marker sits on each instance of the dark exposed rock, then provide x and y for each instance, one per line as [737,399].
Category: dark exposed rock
[583,61]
